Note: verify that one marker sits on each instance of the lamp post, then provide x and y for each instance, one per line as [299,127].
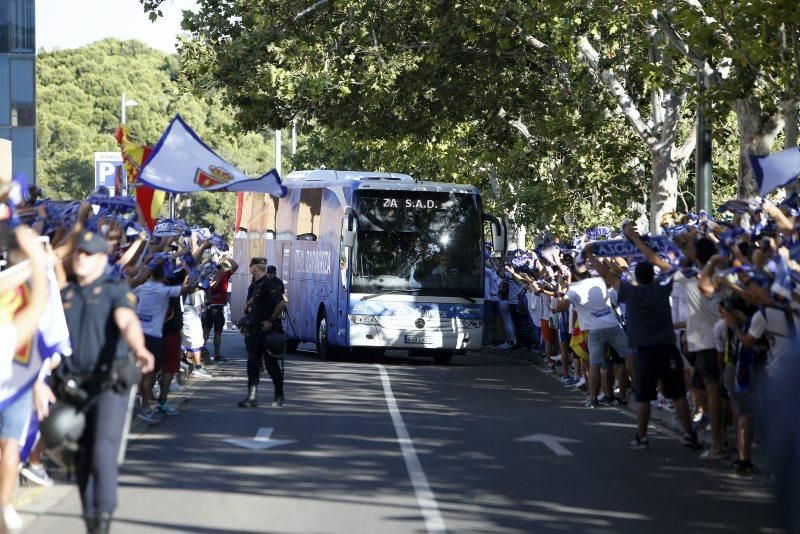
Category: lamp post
[125,104]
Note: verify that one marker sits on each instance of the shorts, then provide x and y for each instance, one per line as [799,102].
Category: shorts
[613,337]
[156,346]
[655,362]
[214,317]
[16,417]
[706,365]
[548,334]
[489,311]
[745,403]
[171,353]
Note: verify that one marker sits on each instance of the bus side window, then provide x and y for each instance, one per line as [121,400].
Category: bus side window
[287,214]
[308,216]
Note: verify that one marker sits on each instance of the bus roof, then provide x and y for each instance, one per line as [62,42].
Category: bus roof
[368,180]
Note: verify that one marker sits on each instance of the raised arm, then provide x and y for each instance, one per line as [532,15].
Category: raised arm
[649,254]
[610,278]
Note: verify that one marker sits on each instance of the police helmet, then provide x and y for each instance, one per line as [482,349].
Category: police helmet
[63,427]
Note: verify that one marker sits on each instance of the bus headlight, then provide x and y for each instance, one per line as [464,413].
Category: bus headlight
[471,323]
[364,319]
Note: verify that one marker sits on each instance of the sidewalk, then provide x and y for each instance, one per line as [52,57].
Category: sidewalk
[32,501]
[664,419]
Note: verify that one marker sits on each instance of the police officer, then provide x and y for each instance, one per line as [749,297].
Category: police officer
[265,305]
[103,326]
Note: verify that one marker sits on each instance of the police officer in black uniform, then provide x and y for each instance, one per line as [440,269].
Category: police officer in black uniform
[266,303]
[103,327]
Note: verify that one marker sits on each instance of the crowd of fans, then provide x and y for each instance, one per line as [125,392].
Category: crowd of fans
[701,320]
[174,280]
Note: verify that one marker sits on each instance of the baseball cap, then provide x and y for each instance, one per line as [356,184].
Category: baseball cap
[92,243]
[258,261]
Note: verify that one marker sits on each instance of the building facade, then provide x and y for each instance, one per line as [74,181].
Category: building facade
[18,83]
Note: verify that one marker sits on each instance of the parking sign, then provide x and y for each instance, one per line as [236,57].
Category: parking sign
[109,171]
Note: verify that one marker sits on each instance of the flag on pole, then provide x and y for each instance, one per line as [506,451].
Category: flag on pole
[182,163]
[19,375]
[150,201]
[133,154]
[776,170]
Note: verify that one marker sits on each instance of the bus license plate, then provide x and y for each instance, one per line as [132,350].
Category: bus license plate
[421,340]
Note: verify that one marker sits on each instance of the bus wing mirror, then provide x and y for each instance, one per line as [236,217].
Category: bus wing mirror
[349,230]
[499,233]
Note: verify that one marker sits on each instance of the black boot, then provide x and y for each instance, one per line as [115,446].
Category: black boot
[250,401]
[91,524]
[103,523]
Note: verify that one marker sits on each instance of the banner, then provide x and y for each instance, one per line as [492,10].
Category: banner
[622,248]
[182,163]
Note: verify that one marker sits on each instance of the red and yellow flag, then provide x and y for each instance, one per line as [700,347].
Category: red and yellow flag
[133,157]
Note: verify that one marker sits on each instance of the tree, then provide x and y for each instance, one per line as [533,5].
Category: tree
[78,97]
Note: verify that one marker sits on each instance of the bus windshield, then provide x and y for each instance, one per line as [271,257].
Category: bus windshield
[418,242]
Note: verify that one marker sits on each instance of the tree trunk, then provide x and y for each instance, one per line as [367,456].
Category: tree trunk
[664,187]
[790,137]
[757,132]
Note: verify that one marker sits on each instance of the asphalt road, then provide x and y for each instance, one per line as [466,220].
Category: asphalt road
[393,444]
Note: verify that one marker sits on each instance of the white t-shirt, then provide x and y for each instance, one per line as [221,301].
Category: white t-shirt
[535,307]
[592,301]
[193,303]
[546,302]
[7,349]
[153,304]
[701,315]
[773,323]
[491,284]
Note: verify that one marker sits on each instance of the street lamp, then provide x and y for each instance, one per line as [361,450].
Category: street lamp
[125,104]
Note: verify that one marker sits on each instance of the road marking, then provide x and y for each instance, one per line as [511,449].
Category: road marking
[261,441]
[554,443]
[434,522]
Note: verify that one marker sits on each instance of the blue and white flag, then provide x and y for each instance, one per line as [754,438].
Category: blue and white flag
[622,248]
[776,170]
[182,163]
[53,337]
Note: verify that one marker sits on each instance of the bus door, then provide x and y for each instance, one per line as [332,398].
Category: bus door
[294,305]
[348,238]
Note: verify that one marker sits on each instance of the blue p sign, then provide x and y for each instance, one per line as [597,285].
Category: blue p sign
[108,171]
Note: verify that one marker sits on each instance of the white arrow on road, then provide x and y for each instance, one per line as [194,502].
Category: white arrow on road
[261,441]
[554,443]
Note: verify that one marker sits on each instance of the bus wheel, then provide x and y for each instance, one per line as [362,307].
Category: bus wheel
[443,357]
[324,349]
[291,347]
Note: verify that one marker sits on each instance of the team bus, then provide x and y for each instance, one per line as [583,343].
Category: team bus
[371,260]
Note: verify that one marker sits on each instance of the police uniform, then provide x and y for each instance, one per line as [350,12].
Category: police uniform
[266,294]
[97,345]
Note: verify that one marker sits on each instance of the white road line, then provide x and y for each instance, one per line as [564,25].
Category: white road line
[434,522]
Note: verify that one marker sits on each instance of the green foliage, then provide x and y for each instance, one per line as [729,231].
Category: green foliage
[78,105]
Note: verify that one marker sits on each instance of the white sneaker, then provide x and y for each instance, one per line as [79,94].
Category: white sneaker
[580,382]
[11,518]
[201,372]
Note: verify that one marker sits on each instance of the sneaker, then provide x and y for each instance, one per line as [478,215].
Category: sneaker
[220,359]
[570,382]
[613,401]
[11,518]
[639,443]
[580,383]
[166,409]
[708,455]
[184,367]
[602,398]
[148,416]
[201,372]
[591,403]
[692,441]
[744,468]
[36,474]
[278,401]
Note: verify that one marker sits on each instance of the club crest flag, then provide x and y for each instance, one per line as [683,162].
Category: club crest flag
[776,170]
[182,163]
